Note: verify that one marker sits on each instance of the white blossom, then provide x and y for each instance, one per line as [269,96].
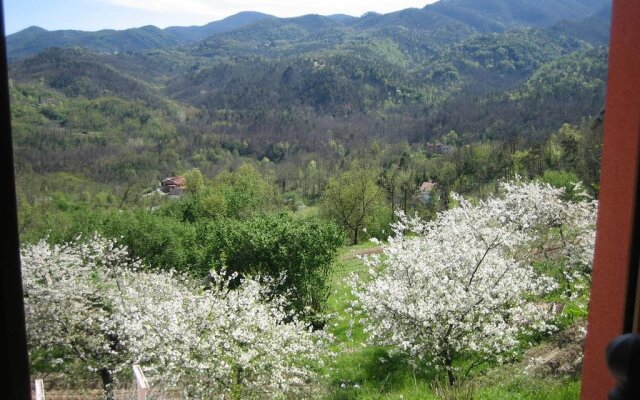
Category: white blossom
[465,283]
[92,303]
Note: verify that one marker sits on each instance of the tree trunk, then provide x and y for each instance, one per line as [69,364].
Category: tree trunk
[447,364]
[107,383]
[237,388]
[405,200]
[355,235]
[393,204]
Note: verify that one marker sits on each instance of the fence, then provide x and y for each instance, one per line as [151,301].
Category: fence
[141,390]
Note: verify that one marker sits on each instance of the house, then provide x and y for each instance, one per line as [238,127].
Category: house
[445,148]
[439,148]
[173,186]
[425,191]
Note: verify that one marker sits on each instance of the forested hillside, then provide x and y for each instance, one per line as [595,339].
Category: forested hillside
[315,87]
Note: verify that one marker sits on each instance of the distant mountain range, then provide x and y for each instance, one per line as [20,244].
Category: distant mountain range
[254,85]
[194,33]
[453,18]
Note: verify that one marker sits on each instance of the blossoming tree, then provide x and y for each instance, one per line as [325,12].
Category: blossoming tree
[89,307]
[464,285]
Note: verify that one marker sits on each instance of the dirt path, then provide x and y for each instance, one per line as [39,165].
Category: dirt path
[364,252]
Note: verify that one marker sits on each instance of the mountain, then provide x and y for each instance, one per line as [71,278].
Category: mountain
[277,37]
[34,39]
[78,72]
[194,33]
[563,90]
[286,88]
[484,15]
[436,25]
[342,18]
[496,62]
[331,65]
[594,29]
[441,29]
[492,15]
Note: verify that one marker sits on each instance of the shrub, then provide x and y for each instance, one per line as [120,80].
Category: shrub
[301,250]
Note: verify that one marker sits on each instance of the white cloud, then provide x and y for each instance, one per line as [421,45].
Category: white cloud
[281,8]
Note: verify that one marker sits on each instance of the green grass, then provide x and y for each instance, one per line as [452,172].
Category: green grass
[364,372]
[505,386]
[359,371]
[308,211]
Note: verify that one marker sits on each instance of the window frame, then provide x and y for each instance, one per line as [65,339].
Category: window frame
[15,383]
[615,268]
[615,273]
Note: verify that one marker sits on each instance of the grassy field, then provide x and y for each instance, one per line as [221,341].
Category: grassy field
[367,372]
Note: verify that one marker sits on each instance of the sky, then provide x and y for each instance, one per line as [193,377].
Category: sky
[92,15]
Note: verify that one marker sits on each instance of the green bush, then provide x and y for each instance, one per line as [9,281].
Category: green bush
[161,242]
[239,194]
[561,179]
[301,250]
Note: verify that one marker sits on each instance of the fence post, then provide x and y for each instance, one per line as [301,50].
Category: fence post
[39,389]
[142,386]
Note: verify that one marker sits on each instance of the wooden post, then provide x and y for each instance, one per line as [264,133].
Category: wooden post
[142,386]
[39,389]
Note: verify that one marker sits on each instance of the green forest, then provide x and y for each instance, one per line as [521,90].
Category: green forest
[285,163]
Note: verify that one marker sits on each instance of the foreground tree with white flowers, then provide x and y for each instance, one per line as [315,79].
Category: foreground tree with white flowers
[93,309]
[468,285]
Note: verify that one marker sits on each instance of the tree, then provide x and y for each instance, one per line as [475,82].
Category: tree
[90,309]
[194,181]
[239,195]
[465,286]
[356,202]
[571,142]
[301,250]
[388,180]
[446,178]
[451,138]
[246,192]
[66,304]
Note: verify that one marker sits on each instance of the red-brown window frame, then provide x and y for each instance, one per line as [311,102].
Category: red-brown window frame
[615,268]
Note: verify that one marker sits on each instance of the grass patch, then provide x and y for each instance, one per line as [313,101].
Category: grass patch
[520,387]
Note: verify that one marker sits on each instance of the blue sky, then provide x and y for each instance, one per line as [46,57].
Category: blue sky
[120,14]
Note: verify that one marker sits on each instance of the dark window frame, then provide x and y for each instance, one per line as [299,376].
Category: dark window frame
[612,307]
[16,382]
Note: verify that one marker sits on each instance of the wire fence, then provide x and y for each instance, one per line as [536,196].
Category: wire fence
[139,390]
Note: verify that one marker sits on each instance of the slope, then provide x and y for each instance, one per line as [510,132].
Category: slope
[34,39]
[194,33]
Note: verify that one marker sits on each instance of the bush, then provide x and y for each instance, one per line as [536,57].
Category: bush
[302,250]
[238,195]
[159,240]
[162,242]
[562,179]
